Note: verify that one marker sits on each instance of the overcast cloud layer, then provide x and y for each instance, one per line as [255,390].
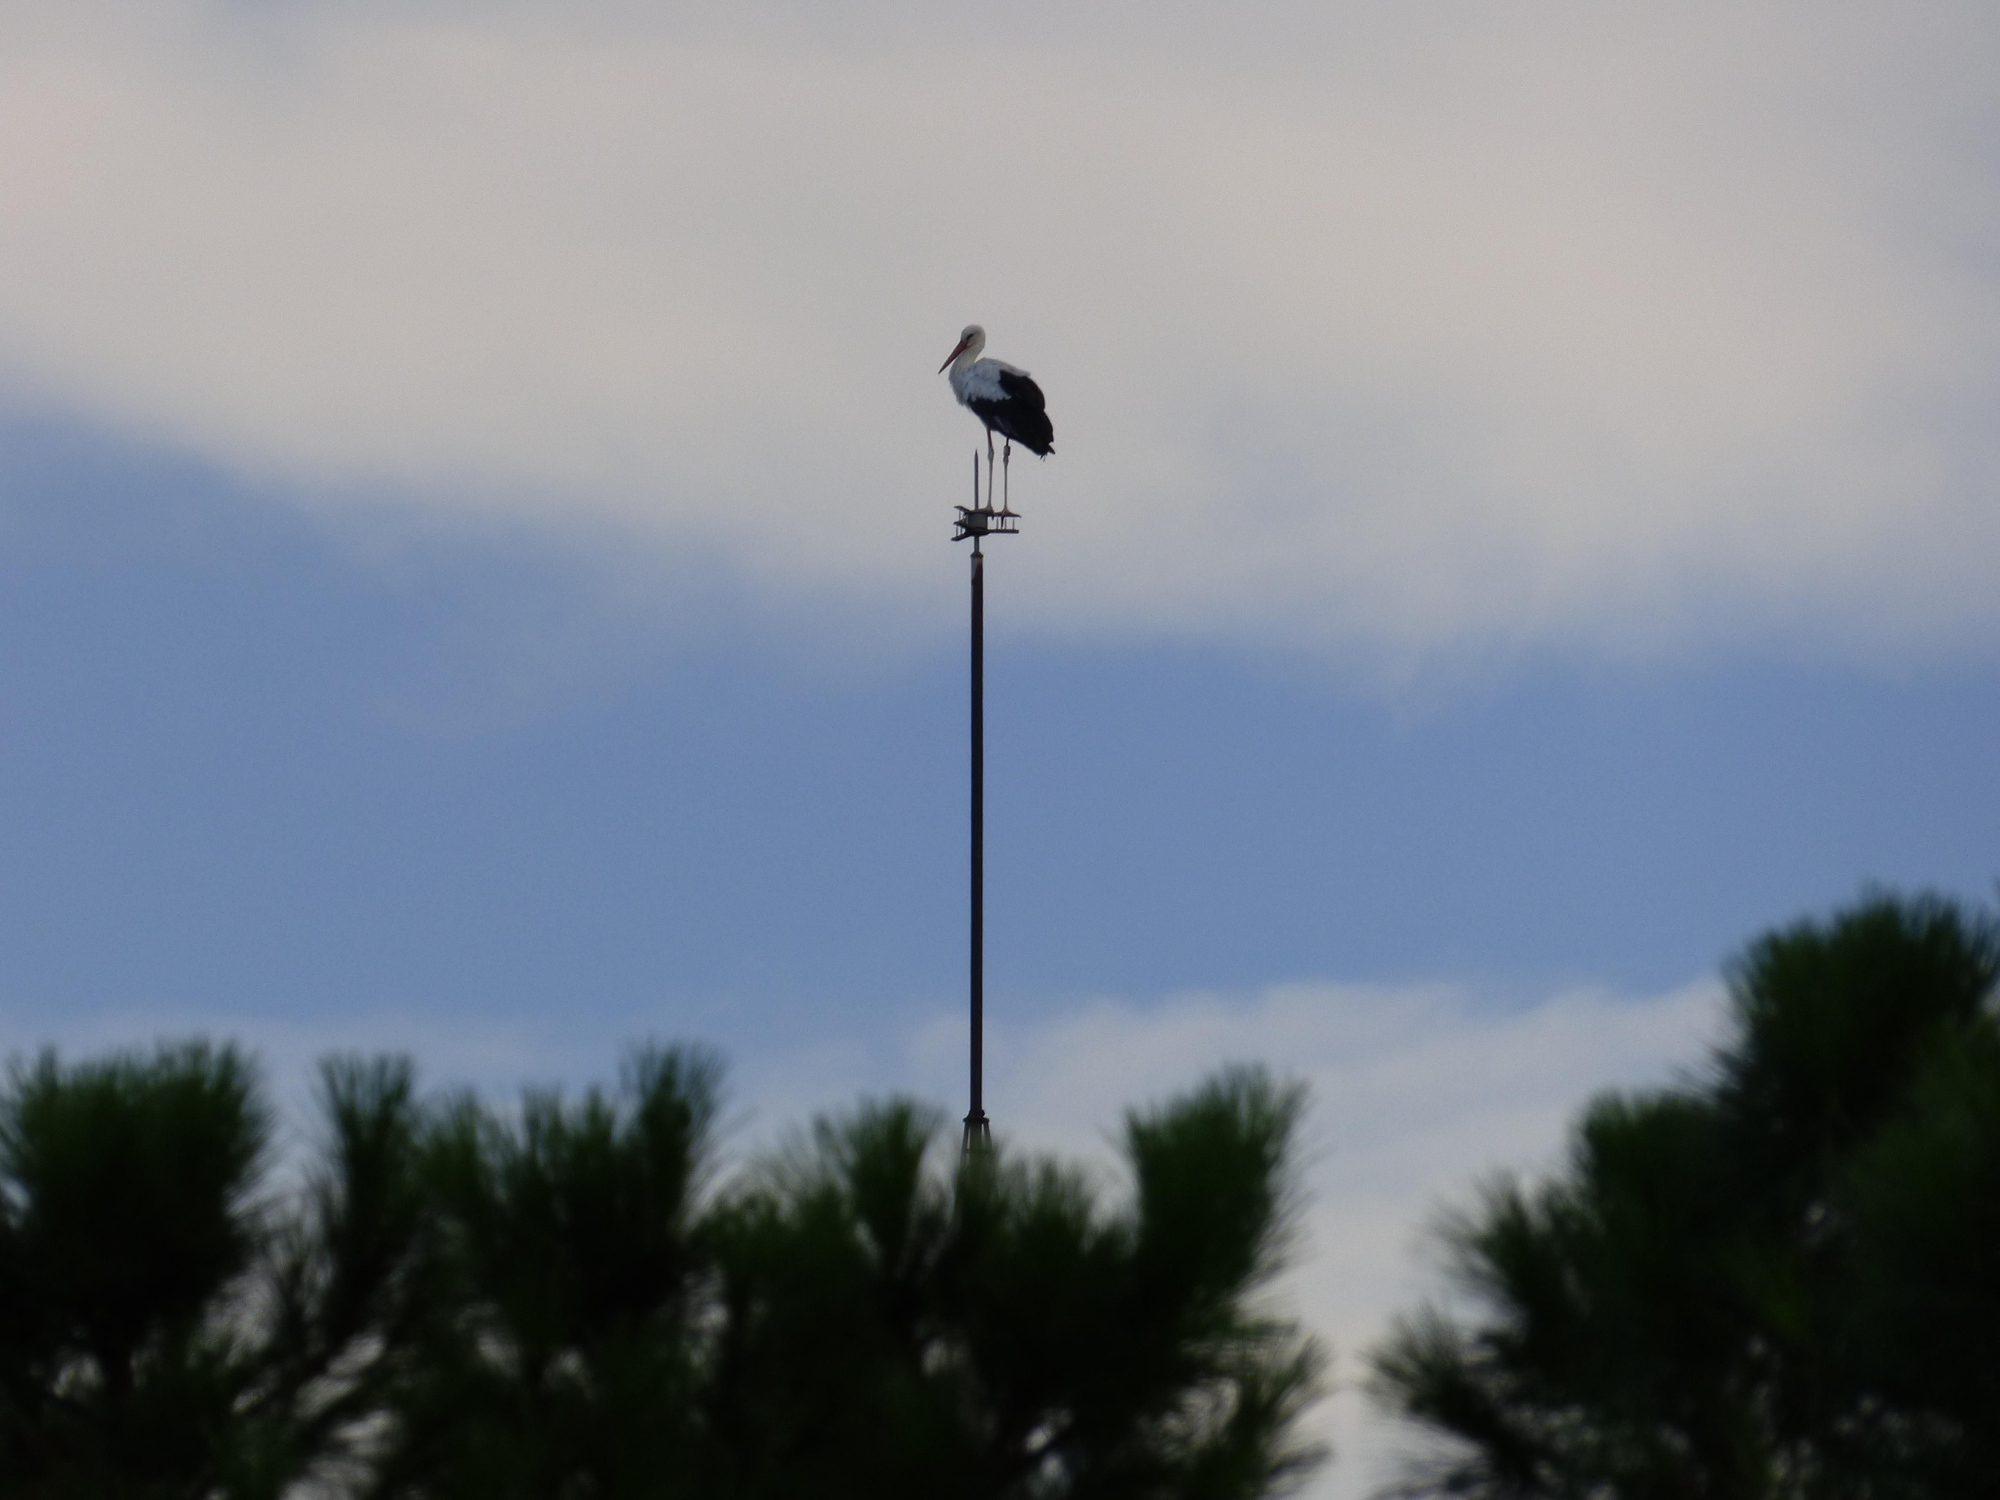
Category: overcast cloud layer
[1400,327]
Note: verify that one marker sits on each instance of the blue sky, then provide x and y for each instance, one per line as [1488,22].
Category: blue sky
[473,579]
[248,765]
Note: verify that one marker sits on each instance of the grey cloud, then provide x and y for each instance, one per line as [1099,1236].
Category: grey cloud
[1401,329]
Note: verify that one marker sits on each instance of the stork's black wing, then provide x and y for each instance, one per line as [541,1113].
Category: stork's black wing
[1023,391]
[1022,413]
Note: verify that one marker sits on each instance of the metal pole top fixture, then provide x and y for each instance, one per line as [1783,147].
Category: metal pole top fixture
[976,520]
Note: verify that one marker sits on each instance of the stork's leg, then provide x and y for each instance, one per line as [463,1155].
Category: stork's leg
[1006,458]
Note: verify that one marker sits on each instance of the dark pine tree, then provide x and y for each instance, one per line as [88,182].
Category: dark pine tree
[452,1300]
[164,1332]
[999,1331]
[566,1275]
[1776,1280]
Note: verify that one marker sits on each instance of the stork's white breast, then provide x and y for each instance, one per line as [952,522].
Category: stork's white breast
[981,382]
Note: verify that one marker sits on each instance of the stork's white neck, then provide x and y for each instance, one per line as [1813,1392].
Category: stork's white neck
[971,351]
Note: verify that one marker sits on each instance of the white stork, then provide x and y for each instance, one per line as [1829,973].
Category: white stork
[1003,398]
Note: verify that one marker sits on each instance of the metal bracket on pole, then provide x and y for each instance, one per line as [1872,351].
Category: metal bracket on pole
[977,522]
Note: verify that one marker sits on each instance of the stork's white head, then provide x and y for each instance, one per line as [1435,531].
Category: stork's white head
[969,344]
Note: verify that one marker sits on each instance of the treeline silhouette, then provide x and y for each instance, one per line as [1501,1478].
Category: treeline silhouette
[1778,1278]
[572,1300]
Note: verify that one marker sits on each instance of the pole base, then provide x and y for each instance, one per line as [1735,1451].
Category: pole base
[978,1134]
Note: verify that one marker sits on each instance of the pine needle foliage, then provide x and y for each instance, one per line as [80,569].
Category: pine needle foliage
[166,1331]
[565,1269]
[1773,1281]
[570,1298]
[896,1327]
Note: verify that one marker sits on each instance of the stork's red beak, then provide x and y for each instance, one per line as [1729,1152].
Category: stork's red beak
[957,349]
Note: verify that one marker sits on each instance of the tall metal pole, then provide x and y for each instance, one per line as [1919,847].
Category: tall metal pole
[977,1131]
[977,521]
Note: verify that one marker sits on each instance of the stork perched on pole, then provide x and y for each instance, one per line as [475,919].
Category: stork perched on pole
[1003,398]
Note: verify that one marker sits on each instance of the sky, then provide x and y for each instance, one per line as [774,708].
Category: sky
[474,570]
